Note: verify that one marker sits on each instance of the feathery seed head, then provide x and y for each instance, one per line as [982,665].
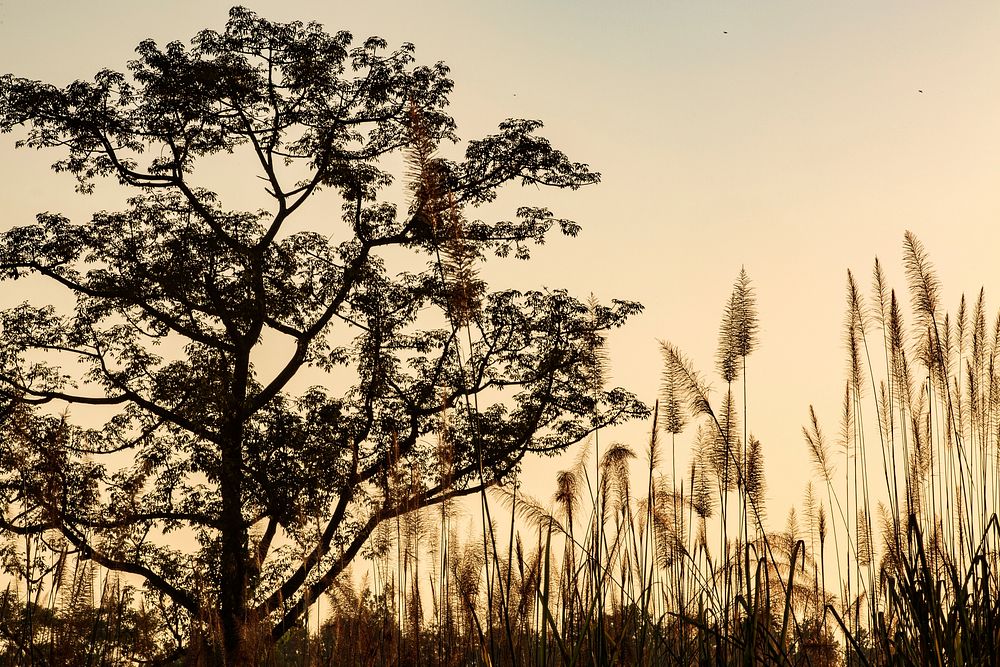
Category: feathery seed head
[738,330]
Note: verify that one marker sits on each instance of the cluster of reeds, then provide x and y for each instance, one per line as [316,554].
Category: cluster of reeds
[917,516]
[890,558]
[59,609]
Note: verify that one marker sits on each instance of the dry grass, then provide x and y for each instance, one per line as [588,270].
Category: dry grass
[890,559]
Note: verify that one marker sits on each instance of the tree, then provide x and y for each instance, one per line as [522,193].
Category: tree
[179,302]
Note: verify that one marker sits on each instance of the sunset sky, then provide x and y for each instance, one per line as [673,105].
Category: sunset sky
[796,139]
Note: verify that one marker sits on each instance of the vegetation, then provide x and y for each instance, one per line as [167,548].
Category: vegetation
[673,567]
[223,514]
[267,398]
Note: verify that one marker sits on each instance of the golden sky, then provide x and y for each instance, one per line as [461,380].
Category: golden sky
[798,139]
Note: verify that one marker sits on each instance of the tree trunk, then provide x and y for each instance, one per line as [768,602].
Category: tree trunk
[233,587]
[234,562]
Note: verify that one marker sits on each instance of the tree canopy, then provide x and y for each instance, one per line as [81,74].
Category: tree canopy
[235,495]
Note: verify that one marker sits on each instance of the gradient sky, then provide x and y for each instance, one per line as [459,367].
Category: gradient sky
[797,139]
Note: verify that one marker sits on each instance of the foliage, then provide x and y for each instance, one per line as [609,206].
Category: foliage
[180,303]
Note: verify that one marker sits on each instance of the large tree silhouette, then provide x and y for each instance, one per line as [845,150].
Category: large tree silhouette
[414,363]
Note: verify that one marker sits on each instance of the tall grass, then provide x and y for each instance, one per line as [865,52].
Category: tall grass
[646,555]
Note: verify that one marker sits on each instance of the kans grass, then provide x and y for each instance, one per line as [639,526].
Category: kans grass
[890,559]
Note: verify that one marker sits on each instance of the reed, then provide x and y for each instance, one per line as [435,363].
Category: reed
[891,558]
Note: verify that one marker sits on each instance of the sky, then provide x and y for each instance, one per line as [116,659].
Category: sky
[796,139]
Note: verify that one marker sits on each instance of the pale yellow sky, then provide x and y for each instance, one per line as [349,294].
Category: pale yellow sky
[796,138]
